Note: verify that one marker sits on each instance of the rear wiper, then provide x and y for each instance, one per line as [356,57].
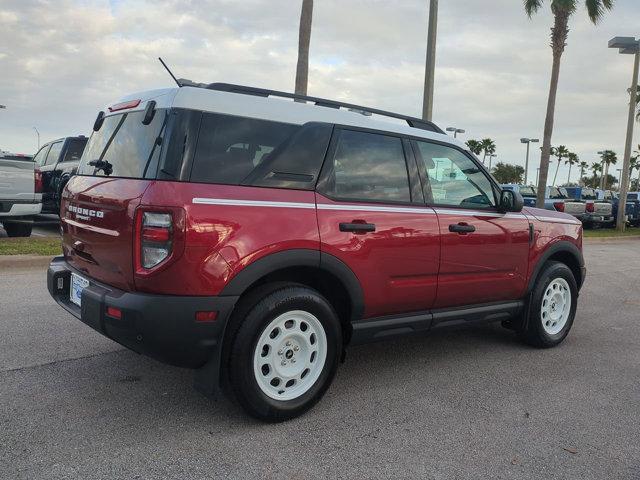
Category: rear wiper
[103,165]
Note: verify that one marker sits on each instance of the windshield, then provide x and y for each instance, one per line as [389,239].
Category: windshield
[527,191]
[124,147]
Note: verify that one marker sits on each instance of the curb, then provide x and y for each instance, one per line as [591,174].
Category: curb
[610,239]
[15,262]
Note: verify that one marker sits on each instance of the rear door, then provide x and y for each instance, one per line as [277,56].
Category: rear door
[484,256]
[48,176]
[371,215]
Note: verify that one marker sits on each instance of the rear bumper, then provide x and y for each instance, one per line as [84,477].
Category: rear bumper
[594,218]
[159,326]
[19,209]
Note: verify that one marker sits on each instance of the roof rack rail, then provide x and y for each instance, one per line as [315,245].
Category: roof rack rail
[323,102]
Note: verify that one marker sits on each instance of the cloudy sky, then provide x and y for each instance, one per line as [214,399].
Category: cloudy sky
[61,61]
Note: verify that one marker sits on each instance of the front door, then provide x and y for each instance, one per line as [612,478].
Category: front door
[372,216]
[485,253]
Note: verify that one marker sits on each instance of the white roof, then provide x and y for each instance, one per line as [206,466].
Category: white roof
[275,109]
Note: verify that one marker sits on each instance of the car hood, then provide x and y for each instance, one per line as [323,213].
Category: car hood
[544,215]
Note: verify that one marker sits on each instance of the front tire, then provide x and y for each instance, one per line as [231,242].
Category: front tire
[285,352]
[552,308]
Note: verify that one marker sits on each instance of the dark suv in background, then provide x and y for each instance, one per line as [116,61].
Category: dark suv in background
[57,161]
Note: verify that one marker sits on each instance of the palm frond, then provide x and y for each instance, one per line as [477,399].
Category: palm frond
[532,6]
[597,8]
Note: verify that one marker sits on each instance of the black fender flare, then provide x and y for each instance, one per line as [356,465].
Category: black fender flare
[562,246]
[299,258]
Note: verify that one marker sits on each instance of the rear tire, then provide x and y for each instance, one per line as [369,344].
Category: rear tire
[284,351]
[17,229]
[552,308]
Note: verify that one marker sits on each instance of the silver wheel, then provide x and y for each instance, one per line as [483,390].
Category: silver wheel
[556,306]
[290,355]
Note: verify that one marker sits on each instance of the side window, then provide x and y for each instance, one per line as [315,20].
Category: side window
[368,167]
[455,180]
[75,147]
[41,156]
[54,153]
[229,148]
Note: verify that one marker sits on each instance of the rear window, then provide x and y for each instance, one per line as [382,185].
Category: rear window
[75,147]
[588,194]
[527,192]
[633,196]
[556,193]
[124,147]
[230,148]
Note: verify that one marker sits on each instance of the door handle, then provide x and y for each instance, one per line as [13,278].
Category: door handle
[357,227]
[461,228]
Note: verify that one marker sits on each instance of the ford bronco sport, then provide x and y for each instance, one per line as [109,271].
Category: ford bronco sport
[254,238]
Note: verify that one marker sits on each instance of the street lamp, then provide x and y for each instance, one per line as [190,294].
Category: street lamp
[455,131]
[528,141]
[38,133]
[619,170]
[2,107]
[630,46]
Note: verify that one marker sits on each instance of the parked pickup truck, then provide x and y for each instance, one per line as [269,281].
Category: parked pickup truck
[633,208]
[598,213]
[20,197]
[58,161]
[557,198]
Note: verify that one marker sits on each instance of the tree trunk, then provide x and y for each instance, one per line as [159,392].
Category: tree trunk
[559,34]
[569,177]
[556,175]
[605,177]
[304,38]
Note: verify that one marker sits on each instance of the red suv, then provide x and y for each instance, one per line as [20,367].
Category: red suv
[232,230]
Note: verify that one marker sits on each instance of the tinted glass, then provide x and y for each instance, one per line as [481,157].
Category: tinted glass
[556,193]
[454,178]
[75,147]
[128,148]
[368,166]
[588,194]
[230,148]
[633,196]
[527,192]
[41,155]
[54,153]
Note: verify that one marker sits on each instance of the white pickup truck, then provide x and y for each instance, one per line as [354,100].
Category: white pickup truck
[20,193]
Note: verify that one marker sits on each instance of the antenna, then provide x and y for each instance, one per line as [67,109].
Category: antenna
[172,75]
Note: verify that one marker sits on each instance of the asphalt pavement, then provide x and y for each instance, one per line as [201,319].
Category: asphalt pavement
[465,403]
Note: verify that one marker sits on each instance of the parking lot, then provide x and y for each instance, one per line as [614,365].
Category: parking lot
[464,403]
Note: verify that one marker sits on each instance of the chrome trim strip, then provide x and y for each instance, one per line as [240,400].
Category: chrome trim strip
[372,208]
[251,203]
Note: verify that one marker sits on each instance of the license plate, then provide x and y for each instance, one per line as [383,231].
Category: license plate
[78,284]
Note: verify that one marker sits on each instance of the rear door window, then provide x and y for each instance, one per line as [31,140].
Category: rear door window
[54,153]
[75,147]
[41,156]
[230,148]
[367,167]
[124,146]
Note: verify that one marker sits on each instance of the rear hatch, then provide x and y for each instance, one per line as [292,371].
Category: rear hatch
[571,206]
[99,204]
[16,179]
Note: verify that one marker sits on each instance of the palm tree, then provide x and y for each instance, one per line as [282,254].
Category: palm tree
[488,148]
[609,158]
[634,164]
[583,166]
[474,146]
[560,153]
[562,11]
[304,38]
[572,159]
[638,105]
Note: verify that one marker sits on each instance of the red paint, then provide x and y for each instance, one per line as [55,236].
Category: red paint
[410,263]
[204,317]
[124,105]
[114,312]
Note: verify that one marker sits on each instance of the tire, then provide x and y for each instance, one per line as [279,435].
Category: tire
[550,317]
[17,229]
[285,346]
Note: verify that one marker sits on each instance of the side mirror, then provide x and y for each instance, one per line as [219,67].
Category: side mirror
[99,121]
[511,201]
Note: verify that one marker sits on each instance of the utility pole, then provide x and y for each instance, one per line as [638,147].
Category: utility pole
[429,73]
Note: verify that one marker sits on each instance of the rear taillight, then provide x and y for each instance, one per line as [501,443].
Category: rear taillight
[591,207]
[37,181]
[154,239]
[559,206]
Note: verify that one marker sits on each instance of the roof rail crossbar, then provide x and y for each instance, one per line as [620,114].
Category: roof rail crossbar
[323,102]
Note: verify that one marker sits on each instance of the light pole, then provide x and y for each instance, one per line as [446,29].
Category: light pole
[619,170]
[627,45]
[528,141]
[455,131]
[38,133]
[430,64]
[2,107]
[537,177]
